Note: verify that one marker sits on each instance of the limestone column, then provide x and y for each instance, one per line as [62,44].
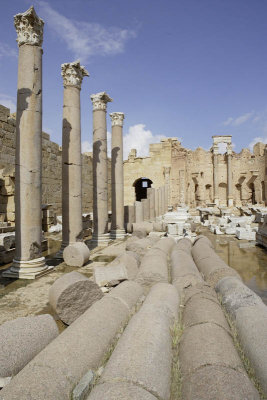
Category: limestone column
[166,173]
[151,197]
[28,262]
[100,169]
[229,176]
[146,207]
[166,197]
[72,227]
[156,202]
[162,200]
[117,199]
[139,211]
[215,174]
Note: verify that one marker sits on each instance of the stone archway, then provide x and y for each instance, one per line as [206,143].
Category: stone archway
[141,185]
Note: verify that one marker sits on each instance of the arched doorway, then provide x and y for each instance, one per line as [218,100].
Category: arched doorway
[141,185]
[252,198]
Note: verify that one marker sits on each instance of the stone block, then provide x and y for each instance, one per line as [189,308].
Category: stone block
[22,339]
[110,275]
[72,294]
[129,261]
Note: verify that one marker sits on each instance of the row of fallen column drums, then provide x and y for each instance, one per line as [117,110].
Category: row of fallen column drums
[178,341]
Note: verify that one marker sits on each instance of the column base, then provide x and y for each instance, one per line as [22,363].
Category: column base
[30,269]
[230,202]
[117,234]
[101,239]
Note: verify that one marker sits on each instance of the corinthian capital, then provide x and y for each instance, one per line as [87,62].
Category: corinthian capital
[117,118]
[100,101]
[73,74]
[29,28]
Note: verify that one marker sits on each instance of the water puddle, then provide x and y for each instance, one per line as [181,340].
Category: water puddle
[249,260]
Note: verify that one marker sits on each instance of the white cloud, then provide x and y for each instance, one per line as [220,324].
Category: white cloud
[85,39]
[7,51]
[239,120]
[8,101]
[138,137]
[256,140]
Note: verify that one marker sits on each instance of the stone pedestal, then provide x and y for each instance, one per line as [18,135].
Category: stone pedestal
[72,229]
[28,262]
[117,199]
[100,169]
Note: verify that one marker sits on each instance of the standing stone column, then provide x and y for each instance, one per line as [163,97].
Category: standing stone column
[146,208]
[28,262]
[229,176]
[162,200]
[166,197]
[117,199]
[156,202]
[139,211]
[166,172]
[72,227]
[215,174]
[100,169]
[151,197]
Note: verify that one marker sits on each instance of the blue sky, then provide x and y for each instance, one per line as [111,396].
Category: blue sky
[176,68]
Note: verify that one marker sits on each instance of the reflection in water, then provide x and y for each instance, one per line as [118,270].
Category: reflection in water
[248,260]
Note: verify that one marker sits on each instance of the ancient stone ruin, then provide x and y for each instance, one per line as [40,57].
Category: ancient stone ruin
[141,298]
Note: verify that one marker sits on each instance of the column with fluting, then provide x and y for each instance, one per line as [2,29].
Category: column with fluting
[229,176]
[72,229]
[117,196]
[28,262]
[100,169]
[215,174]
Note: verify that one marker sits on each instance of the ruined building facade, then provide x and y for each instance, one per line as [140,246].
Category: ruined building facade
[189,174]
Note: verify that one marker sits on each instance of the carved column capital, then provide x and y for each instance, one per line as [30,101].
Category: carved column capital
[117,118]
[166,171]
[29,28]
[73,74]
[215,149]
[100,101]
[229,149]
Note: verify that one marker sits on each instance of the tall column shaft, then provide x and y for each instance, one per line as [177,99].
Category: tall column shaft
[229,180]
[100,168]
[146,208]
[162,200]
[151,197]
[139,211]
[156,202]
[28,262]
[215,176]
[117,199]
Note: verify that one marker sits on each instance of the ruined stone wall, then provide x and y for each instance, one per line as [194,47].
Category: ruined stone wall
[191,174]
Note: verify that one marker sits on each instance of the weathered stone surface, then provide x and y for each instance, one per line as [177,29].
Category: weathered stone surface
[120,391]
[130,261]
[218,383]
[54,372]
[81,391]
[236,294]
[143,354]
[22,339]
[143,226]
[72,294]
[76,254]
[202,289]
[110,275]
[139,246]
[207,344]
[140,234]
[165,244]
[200,310]
[153,268]
[251,324]
[127,292]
